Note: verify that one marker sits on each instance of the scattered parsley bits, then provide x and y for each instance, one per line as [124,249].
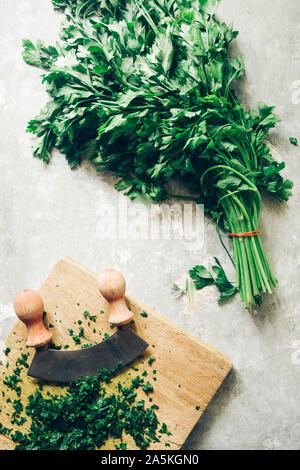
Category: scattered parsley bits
[86,314]
[147,388]
[163,429]
[121,446]
[151,360]
[86,416]
[76,337]
[11,382]
[16,418]
[144,314]
[22,360]
[4,431]
[7,351]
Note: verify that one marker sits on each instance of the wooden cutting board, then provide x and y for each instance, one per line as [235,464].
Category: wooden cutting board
[188,371]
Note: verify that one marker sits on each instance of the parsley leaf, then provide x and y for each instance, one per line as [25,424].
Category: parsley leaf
[202,278]
[294,141]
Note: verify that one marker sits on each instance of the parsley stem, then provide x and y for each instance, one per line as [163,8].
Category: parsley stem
[148,18]
[221,240]
[253,274]
[233,170]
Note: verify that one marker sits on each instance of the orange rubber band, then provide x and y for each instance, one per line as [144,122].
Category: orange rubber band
[255,233]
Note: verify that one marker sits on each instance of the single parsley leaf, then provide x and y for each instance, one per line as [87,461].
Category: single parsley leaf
[202,278]
[294,141]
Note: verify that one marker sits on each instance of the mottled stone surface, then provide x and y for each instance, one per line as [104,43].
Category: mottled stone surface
[49,212]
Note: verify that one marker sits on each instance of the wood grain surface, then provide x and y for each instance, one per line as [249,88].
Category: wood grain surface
[188,371]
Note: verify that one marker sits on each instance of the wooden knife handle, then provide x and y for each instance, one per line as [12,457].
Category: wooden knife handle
[112,286]
[29,308]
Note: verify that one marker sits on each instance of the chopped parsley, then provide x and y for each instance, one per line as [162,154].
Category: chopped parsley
[11,381]
[86,314]
[86,416]
[22,360]
[151,360]
[76,337]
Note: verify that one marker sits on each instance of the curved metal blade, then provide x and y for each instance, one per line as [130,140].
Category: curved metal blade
[65,366]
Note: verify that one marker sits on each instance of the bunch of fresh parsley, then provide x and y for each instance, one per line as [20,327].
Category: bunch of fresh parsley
[143,88]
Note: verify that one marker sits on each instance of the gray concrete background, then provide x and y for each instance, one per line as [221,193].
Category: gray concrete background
[49,212]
